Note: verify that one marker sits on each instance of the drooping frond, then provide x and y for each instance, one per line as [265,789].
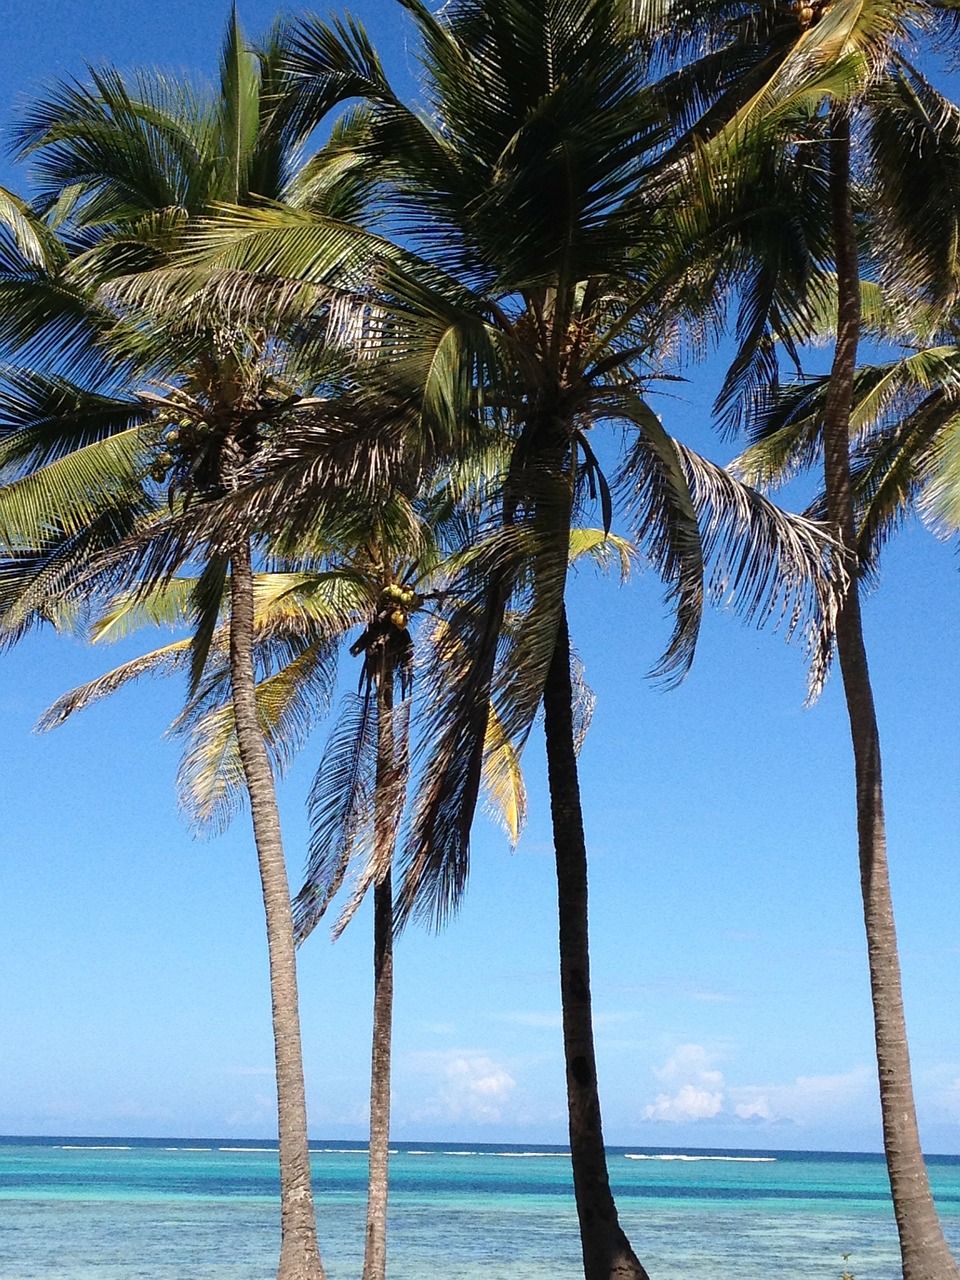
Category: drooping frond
[172,657]
[73,491]
[455,694]
[914,147]
[502,780]
[605,549]
[211,782]
[768,564]
[666,528]
[340,808]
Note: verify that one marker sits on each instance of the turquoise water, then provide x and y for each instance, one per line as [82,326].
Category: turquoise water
[195,1209]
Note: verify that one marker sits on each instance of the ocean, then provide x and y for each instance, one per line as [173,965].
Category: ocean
[207,1209]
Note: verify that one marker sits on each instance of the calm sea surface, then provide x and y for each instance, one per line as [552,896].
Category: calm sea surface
[207,1209]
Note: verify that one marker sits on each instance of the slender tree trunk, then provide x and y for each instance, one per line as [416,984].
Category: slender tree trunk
[299,1254]
[924,1251]
[375,1250]
[607,1254]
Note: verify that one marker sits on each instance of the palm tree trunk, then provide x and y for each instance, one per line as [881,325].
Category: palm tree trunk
[375,1250]
[607,1254]
[299,1253]
[924,1251]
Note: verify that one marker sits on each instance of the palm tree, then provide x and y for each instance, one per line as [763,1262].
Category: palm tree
[181,407]
[354,814]
[538,195]
[910,138]
[360,790]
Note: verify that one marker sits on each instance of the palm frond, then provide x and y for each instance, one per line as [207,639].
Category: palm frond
[770,565]
[170,658]
[341,809]
[210,781]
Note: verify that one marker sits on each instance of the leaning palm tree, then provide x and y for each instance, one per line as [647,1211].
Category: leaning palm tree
[541,288]
[149,409]
[806,278]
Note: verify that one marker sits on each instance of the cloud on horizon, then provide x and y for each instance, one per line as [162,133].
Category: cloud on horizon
[467,1085]
[696,1090]
[694,1086]
[809,1100]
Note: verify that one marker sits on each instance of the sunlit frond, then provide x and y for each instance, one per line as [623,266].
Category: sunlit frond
[172,657]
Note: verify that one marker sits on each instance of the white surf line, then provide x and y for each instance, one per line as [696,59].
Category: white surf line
[725,1159]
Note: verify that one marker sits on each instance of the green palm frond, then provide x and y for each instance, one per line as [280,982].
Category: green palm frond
[166,605]
[940,502]
[43,418]
[888,471]
[786,437]
[71,492]
[914,148]
[239,119]
[211,782]
[46,583]
[35,245]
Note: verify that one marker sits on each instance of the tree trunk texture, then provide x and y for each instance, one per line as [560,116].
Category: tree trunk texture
[607,1254]
[924,1252]
[299,1253]
[375,1248]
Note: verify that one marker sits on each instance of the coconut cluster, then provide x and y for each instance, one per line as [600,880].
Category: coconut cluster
[180,441]
[808,11]
[398,602]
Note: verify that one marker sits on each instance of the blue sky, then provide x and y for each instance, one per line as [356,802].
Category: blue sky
[729,971]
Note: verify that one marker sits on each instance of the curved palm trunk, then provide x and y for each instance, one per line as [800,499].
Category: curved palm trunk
[924,1251]
[375,1249]
[607,1254]
[299,1254]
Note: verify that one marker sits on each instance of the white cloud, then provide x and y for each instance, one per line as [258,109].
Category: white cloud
[688,1103]
[757,1109]
[689,1061]
[694,1086]
[469,1085]
[809,1100]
